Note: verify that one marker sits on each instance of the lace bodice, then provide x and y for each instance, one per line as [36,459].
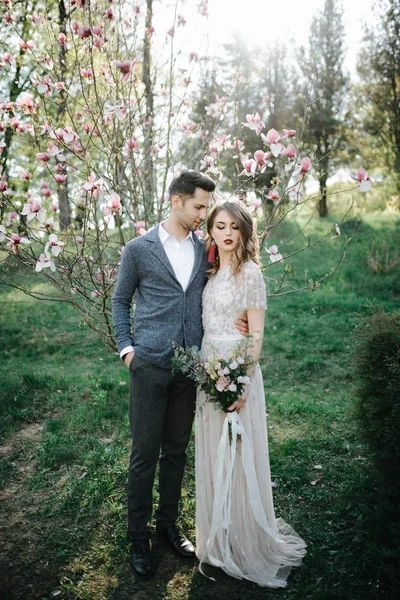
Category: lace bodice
[226,297]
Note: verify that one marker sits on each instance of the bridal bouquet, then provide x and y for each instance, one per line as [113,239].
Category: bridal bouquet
[222,378]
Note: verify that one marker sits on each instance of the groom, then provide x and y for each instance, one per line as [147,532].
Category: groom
[166,268]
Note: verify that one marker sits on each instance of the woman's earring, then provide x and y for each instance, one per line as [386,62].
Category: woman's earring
[211,252]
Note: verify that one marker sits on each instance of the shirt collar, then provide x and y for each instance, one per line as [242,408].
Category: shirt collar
[164,235]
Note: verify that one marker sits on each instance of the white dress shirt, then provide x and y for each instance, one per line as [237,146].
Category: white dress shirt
[181,257]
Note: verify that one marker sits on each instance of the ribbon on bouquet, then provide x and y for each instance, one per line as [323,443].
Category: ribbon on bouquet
[221,514]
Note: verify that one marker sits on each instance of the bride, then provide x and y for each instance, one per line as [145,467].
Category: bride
[236,527]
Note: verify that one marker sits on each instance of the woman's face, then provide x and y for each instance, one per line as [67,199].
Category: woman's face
[225,232]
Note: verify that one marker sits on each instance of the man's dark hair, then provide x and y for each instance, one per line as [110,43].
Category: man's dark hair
[185,185]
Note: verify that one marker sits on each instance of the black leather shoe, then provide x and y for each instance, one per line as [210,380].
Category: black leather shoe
[142,559]
[177,541]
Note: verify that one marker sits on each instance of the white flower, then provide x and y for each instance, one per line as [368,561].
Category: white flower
[233,365]
[54,244]
[232,387]
[243,379]
[2,233]
[273,254]
[224,371]
[45,261]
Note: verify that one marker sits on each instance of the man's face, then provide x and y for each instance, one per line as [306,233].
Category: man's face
[194,210]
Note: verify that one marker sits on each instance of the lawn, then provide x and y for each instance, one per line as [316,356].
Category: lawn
[65,441]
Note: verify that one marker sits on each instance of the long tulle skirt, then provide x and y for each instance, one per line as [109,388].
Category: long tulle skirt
[236,527]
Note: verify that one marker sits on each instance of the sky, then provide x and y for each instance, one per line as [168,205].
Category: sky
[285,19]
[266,20]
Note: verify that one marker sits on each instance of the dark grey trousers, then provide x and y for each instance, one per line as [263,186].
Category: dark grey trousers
[161,415]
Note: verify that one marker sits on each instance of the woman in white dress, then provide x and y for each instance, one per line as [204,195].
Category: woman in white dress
[236,527]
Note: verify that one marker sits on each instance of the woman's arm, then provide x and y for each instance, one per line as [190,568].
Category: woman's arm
[256,330]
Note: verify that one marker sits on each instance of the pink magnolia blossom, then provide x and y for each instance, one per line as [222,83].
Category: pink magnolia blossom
[193,56]
[255,204]
[181,21]
[26,104]
[9,59]
[250,167]
[92,184]
[82,31]
[274,256]
[54,150]
[60,178]
[45,261]
[132,145]
[274,196]
[114,205]
[305,165]
[273,140]
[33,209]
[44,86]
[46,192]
[66,134]
[362,177]
[97,30]
[3,184]
[140,225]
[26,175]
[95,294]
[62,39]
[171,31]
[12,217]
[126,67]
[207,164]
[288,133]
[36,19]
[16,124]
[49,222]
[15,240]
[262,159]
[254,123]
[289,151]
[87,74]
[9,18]
[54,244]
[26,45]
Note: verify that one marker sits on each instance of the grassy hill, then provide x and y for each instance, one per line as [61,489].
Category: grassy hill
[65,440]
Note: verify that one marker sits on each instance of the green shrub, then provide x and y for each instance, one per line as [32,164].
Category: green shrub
[376,361]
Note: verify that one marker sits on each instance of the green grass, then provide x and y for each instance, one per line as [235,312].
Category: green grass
[63,485]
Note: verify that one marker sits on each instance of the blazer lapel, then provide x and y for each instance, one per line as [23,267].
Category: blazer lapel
[157,249]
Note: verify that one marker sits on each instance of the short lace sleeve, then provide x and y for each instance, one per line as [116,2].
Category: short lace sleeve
[251,288]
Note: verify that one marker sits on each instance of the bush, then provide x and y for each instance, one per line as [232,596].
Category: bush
[376,362]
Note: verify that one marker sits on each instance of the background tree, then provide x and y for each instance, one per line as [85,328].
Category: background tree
[379,69]
[324,87]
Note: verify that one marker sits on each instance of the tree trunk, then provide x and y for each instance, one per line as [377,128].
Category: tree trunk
[148,129]
[63,199]
[323,205]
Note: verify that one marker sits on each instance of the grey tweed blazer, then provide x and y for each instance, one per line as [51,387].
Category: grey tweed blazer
[164,312]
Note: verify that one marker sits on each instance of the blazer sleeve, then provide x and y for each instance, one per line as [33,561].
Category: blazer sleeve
[127,282]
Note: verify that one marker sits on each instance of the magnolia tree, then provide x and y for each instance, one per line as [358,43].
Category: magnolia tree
[102,123]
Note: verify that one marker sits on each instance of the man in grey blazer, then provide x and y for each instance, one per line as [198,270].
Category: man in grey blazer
[166,268]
